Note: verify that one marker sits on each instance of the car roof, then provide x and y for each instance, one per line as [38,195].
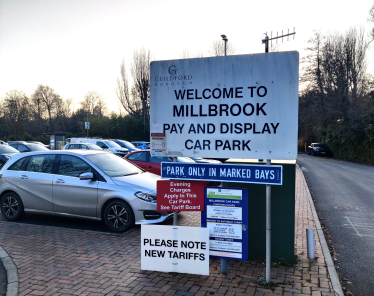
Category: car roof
[89,144]
[71,152]
[17,142]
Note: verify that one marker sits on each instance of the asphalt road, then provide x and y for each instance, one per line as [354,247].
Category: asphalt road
[344,197]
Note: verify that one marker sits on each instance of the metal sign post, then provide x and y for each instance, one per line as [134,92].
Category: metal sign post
[268,187]
[268,228]
[175,214]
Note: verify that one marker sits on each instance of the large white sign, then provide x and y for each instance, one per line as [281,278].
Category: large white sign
[175,249]
[227,107]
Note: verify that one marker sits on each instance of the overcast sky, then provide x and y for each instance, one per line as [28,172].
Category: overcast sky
[76,46]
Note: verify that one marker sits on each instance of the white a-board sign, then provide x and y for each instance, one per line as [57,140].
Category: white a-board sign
[175,249]
[243,106]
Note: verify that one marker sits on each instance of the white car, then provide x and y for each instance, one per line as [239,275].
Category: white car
[86,146]
[107,145]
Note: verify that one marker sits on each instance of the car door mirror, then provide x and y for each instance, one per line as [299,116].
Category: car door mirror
[86,176]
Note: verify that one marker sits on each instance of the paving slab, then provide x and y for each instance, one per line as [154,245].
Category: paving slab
[58,261]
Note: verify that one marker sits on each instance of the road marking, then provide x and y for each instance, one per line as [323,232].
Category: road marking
[304,169]
[348,169]
[360,226]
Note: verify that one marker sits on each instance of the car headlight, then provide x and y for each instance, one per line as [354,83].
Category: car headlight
[7,157]
[146,196]
[120,151]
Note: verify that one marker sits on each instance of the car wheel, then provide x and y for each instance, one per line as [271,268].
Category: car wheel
[11,207]
[118,216]
[314,153]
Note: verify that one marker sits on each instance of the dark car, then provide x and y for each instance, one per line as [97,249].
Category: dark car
[27,147]
[141,145]
[5,153]
[125,144]
[319,149]
[39,143]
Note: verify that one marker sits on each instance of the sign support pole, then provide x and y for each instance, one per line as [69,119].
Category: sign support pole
[268,228]
[223,260]
[175,214]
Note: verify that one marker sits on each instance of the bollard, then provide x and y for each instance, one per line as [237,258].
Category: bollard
[223,266]
[310,243]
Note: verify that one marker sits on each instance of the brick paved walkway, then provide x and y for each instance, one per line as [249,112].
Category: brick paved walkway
[55,261]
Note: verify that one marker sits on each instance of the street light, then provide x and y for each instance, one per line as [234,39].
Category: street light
[224,38]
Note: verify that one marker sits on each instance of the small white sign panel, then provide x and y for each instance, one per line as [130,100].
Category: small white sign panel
[175,249]
[243,106]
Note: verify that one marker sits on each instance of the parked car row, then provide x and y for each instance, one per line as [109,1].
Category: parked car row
[84,183]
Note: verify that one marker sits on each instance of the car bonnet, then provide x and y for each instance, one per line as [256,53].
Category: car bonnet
[143,181]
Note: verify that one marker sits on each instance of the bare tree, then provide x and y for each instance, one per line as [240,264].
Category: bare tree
[64,112]
[135,99]
[140,74]
[371,20]
[101,108]
[186,54]
[15,110]
[46,97]
[218,48]
[335,76]
[89,102]
[130,104]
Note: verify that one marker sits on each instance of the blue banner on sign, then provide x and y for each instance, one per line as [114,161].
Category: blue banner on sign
[226,216]
[259,174]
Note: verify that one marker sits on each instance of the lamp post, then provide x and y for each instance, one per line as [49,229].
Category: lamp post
[224,38]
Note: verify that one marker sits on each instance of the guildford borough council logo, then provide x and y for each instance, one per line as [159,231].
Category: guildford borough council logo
[173,79]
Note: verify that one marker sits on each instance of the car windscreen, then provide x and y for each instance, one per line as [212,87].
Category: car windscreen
[7,149]
[36,147]
[111,144]
[113,165]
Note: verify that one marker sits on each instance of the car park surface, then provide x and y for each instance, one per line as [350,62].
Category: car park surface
[87,184]
[54,260]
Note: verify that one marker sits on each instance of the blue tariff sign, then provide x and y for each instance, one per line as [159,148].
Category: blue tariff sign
[226,216]
[258,174]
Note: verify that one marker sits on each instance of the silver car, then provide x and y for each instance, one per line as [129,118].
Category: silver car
[81,183]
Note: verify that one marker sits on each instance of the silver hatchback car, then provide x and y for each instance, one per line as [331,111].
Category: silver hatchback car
[79,183]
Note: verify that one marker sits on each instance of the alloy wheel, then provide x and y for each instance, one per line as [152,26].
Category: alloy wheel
[117,216]
[10,206]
